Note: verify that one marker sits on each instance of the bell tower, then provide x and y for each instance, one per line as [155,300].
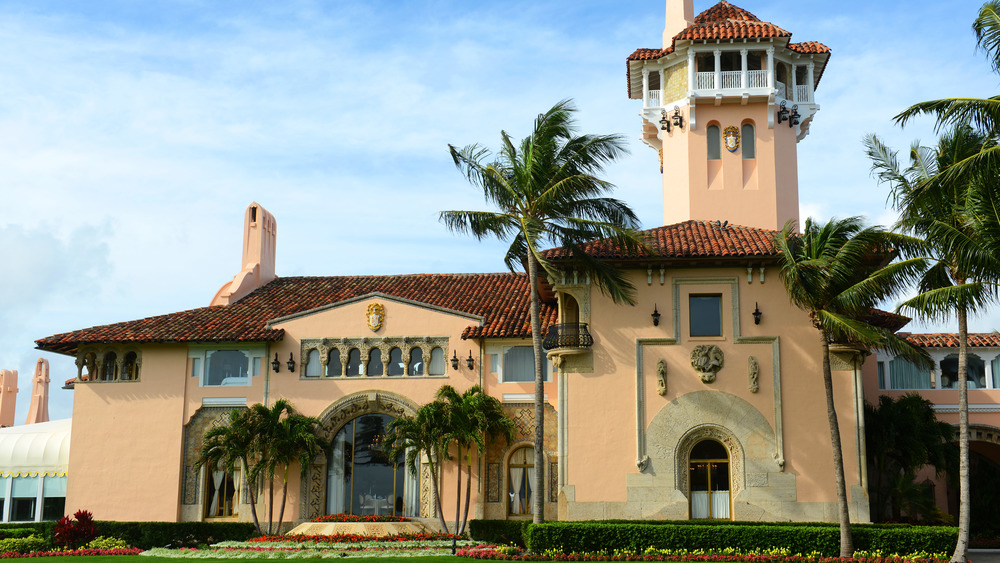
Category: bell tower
[725,102]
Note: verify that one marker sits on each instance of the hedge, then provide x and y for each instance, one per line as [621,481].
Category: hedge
[23,544]
[588,537]
[147,535]
[499,532]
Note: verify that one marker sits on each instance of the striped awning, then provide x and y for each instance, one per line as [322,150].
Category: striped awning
[31,450]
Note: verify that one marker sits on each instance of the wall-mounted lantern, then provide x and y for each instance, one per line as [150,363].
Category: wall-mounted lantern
[454,361]
[291,363]
[656,316]
[275,365]
[756,314]
[470,361]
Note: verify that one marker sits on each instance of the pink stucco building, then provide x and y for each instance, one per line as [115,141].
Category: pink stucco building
[704,400]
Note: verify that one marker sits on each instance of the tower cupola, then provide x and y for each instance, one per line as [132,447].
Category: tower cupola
[725,102]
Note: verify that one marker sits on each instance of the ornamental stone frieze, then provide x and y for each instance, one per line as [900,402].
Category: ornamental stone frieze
[707,360]
[406,344]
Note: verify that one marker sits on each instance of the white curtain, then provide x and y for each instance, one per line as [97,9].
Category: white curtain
[720,504]
[217,477]
[516,475]
[411,492]
[335,477]
[237,487]
[699,504]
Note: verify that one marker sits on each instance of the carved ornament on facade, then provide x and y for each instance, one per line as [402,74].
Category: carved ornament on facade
[707,360]
[407,344]
[376,316]
[731,137]
[753,374]
[661,377]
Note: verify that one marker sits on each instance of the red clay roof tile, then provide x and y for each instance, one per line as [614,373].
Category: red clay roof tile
[950,340]
[501,299]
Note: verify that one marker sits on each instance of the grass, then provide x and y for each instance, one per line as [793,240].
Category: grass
[151,559]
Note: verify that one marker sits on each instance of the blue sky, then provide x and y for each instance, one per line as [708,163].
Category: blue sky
[134,134]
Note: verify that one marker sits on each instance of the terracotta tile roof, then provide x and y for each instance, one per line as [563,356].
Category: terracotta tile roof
[502,299]
[887,320]
[809,48]
[649,54]
[690,239]
[725,21]
[950,340]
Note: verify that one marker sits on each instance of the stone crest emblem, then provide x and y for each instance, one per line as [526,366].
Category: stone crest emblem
[707,360]
[731,136]
[376,316]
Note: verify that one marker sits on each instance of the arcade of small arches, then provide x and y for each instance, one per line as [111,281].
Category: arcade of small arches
[374,357]
[108,364]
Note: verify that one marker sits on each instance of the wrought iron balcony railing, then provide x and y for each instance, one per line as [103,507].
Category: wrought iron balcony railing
[568,335]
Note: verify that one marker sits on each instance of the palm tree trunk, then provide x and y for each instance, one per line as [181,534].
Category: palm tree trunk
[961,554]
[458,486]
[270,504]
[468,491]
[437,497]
[284,495]
[538,487]
[846,541]
[252,488]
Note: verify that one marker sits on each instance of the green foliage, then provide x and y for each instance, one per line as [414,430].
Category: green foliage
[500,532]
[147,535]
[16,532]
[23,545]
[586,537]
[102,542]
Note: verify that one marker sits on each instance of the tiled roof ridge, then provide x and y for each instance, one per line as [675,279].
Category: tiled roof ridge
[725,11]
[950,339]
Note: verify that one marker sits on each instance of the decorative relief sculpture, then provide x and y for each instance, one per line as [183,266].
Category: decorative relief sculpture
[707,360]
[375,315]
[661,377]
[754,374]
[642,464]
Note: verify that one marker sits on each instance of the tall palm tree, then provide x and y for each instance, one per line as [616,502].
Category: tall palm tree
[475,418]
[231,446]
[266,422]
[419,436]
[295,440]
[547,191]
[935,206]
[833,273]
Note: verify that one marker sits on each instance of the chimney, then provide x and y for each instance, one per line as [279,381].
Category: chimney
[260,237]
[39,409]
[8,396]
[680,15]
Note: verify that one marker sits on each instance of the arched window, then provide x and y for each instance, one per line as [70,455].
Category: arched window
[333,367]
[749,141]
[362,479]
[222,498]
[354,362]
[109,371]
[89,368]
[437,362]
[396,365]
[416,366]
[313,367]
[521,477]
[130,371]
[714,138]
[709,479]
[374,362]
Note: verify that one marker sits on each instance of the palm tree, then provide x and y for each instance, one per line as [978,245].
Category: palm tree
[266,423]
[547,190]
[295,440]
[902,436]
[474,417]
[832,272]
[935,205]
[421,435]
[230,446]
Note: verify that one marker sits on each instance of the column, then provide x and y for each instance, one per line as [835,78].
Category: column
[690,71]
[809,78]
[770,67]
[718,68]
[795,84]
[645,87]
[663,99]
[744,76]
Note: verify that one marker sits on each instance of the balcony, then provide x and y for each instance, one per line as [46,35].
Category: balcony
[568,335]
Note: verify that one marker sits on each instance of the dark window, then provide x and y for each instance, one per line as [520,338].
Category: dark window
[706,315]
[714,136]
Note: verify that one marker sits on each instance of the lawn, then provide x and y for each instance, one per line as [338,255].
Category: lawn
[152,559]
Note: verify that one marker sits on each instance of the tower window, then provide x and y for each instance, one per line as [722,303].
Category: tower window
[749,141]
[714,136]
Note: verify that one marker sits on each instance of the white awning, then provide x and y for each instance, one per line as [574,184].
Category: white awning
[35,449]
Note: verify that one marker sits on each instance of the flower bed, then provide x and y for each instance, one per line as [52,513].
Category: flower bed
[355,538]
[308,547]
[728,555]
[72,552]
[358,518]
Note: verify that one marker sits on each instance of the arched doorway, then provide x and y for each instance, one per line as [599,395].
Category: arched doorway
[520,481]
[708,476]
[362,479]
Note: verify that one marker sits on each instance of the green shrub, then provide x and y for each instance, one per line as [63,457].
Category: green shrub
[499,532]
[23,545]
[147,535]
[16,532]
[588,537]
[102,542]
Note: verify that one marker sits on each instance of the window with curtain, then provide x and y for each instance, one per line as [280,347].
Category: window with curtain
[521,477]
[975,372]
[110,367]
[314,368]
[713,137]
[709,480]
[131,368]
[416,366]
[519,364]
[226,368]
[903,374]
[995,364]
[221,493]
[437,362]
[881,375]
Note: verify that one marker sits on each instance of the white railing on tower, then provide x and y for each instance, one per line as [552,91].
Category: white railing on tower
[758,78]
[704,80]
[803,93]
[653,99]
[731,79]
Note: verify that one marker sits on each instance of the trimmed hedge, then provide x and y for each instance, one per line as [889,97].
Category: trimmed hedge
[23,544]
[147,535]
[499,532]
[584,537]
[16,532]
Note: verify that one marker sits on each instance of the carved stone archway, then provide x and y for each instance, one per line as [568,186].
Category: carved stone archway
[709,432]
[331,420]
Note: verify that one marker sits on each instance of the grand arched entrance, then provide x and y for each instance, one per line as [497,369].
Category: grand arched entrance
[362,479]
[709,480]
